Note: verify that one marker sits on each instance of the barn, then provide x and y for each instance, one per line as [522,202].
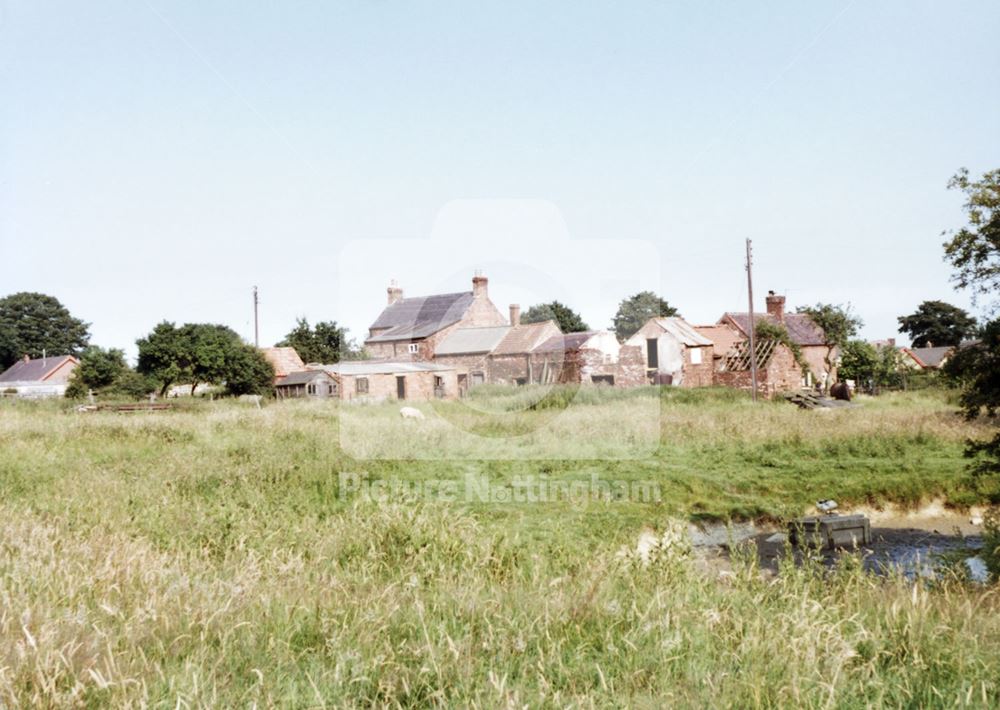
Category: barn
[674,353]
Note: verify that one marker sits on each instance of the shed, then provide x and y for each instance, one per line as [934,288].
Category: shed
[317,384]
[674,352]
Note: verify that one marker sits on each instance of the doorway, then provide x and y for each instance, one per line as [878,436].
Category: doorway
[400,387]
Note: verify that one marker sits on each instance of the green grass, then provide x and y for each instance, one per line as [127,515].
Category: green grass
[206,557]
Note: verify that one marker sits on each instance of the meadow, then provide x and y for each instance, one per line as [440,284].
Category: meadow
[210,556]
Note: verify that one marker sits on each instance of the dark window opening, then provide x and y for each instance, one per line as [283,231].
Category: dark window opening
[652,357]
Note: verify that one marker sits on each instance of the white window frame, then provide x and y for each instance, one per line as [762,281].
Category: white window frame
[413,348]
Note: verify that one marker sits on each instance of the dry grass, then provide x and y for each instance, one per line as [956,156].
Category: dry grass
[204,558]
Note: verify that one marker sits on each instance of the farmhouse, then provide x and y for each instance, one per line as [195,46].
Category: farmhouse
[801,329]
[468,351]
[41,377]
[589,357]
[376,381]
[412,328]
[672,353]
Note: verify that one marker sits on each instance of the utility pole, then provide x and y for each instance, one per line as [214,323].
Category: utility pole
[753,325]
[256,329]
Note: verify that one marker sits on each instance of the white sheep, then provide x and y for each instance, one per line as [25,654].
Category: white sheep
[411,413]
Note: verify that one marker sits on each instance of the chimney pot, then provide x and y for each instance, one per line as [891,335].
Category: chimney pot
[27,358]
[479,283]
[776,306]
[515,314]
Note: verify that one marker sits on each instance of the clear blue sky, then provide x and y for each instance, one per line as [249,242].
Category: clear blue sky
[159,158]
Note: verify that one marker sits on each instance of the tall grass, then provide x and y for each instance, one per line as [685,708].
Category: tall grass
[204,557]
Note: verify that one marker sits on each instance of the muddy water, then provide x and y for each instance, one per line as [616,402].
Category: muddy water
[916,543]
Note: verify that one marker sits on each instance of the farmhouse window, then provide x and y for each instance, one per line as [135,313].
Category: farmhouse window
[311,389]
[695,356]
[361,385]
[413,347]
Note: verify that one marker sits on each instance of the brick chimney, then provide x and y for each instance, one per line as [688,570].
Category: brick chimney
[515,314]
[27,358]
[479,283]
[776,306]
[395,292]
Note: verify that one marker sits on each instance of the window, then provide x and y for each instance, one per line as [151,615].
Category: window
[695,356]
[413,348]
[361,385]
[311,389]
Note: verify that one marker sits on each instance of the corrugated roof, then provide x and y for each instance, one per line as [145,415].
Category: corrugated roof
[285,360]
[419,317]
[34,370]
[299,378]
[383,367]
[723,337]
[464,341]
[683,331]
[526,337]
[801,328]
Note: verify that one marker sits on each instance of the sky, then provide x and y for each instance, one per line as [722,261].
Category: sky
[159,159]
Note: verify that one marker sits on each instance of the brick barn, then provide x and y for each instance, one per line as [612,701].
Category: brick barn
[801,329]
[777,370]
[590,357]
[672,352]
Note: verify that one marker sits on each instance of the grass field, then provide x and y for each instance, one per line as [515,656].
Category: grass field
[207,557]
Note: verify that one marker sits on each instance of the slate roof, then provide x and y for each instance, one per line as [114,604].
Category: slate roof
[566,342]
[34,370]
[467,341]
[524,338]
[932,357]
[284,360]
[800,326]
[683,331]
[299,378]
[413,318]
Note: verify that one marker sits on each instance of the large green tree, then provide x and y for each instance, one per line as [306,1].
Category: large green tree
[34,323]
[974,250]
[569,321]
[839,324]
[635,310]
[197,353]
[327,342]
[937,323]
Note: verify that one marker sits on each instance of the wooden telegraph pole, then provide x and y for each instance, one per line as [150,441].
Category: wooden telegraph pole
[753,325]
[256,330]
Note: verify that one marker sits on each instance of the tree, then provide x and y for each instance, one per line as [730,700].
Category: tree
[974,250]
[634,311]
[195,353]
[248,372]
[98,369]
[568,320]
[867,364]
[326,343]
[939,323]
[838,323]
[34,324]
